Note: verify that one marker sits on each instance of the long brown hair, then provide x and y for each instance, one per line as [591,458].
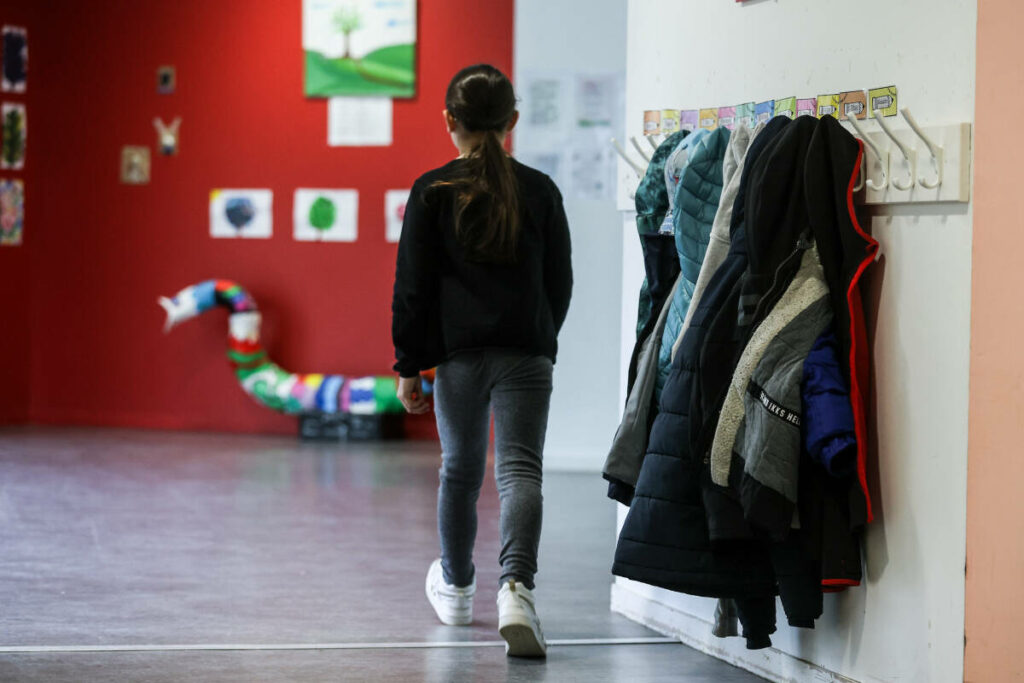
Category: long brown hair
[482,100]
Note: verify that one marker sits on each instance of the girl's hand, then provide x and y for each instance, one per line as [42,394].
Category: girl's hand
[410,393]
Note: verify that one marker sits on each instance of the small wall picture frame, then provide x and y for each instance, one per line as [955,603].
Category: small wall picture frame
[166,80]
[135,164]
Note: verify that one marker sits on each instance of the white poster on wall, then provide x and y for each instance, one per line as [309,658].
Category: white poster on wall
[359,121]
[566,123]
[326,215]
[241,213]
[394,213]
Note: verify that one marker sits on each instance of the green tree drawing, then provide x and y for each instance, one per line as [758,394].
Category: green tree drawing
[322,214]
[14,138]
[347,20]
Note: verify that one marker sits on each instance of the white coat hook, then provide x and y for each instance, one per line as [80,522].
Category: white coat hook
[653,141]
[935,150]
[882,157]
[640,170]
[639,149]
[909,154]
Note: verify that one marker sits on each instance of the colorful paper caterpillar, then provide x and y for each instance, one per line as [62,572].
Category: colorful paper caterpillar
[264,380]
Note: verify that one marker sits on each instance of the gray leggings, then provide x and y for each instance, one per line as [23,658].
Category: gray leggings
[517,388]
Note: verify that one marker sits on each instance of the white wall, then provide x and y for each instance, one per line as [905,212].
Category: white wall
[906,622]
[585,406]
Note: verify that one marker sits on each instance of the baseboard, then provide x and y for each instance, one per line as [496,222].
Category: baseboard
[769,663]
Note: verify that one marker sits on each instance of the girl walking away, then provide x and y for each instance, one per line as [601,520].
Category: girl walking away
[481,290]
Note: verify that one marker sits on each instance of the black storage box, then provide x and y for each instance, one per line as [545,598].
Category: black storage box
[348,427]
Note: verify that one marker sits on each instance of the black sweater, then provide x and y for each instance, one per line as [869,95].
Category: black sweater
[445,303]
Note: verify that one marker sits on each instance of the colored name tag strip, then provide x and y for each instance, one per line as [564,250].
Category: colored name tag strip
[764,111]
[807,107]
[709,119]
[652,122]
[853,103]
[669,121]
[828,105]
[727,117]
[689,120]
[786,107]
[746,114]
[884,100]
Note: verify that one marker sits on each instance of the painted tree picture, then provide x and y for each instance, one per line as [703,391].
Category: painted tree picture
[326,215]
[359,47]
[14,132]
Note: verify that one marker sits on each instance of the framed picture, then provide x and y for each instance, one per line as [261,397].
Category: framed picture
[359,47]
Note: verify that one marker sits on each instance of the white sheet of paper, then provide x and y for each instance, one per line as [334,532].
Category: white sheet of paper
[394,213]
[547,106]
[241,213]
[334,219]
[359,121]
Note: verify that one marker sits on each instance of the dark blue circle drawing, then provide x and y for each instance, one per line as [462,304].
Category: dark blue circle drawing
[239,211]
[15,53]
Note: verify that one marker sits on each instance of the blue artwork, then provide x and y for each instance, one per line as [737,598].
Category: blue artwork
[239,211]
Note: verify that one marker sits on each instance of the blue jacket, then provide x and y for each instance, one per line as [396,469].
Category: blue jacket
[694,207]
[829,433]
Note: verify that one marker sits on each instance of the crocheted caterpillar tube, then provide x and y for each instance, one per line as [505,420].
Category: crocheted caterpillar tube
[264,380]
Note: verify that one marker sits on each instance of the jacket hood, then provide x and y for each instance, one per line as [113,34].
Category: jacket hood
[678,160]
[757,147]
[833,159]
[776,206]
[651,195]
[698,195]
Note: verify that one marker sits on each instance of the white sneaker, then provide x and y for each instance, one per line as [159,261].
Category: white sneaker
[454,605]
[518,622]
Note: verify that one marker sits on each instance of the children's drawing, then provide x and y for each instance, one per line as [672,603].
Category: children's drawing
[394,213]
[166,80]
[15,74]
[241,213]
[326,215]
[12,212]
[134,165]
[359,47]
[15,130]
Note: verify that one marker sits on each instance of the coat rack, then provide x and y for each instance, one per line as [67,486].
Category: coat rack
[904,166]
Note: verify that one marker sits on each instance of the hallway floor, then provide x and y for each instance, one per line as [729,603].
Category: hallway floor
[155,556]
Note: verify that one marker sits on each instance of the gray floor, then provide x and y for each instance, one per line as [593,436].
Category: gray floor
[150,538]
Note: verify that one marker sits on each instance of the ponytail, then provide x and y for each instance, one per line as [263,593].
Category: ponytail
[486,189]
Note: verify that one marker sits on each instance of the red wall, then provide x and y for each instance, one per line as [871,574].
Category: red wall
[106,251]
[15,279]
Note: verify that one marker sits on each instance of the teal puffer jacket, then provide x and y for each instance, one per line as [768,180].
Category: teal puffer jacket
[695,205]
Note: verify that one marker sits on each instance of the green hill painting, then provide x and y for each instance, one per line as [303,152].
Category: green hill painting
[359,47]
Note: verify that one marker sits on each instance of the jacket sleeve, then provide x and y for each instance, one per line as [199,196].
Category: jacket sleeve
[558,262]
[414,307]
[829,433]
